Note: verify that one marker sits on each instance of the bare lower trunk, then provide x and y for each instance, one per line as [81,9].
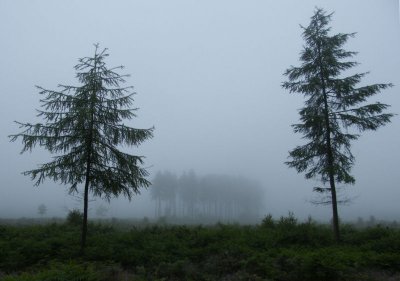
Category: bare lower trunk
[335,216]
[85,216]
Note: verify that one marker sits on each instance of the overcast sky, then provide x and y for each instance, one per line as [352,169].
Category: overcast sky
[208,76]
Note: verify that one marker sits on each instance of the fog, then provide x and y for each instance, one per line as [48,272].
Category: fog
[208,76]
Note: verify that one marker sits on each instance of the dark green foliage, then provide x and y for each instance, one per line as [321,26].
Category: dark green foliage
[83,128]
[334,111]
[71,271]
[329,95]
[74,217]
[268,221]
[83,122]
[290,250]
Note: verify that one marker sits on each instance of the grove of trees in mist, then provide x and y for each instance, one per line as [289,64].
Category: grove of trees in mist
[206,198]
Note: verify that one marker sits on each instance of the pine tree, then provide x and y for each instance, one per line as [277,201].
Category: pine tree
[335,108]
[83,128]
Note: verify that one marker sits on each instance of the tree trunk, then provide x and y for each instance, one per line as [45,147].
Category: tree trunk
[85,212]
[335,216]
[86,191]
[89,150]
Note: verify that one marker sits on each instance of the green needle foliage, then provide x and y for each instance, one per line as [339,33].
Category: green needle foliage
[83,128]
[334,105]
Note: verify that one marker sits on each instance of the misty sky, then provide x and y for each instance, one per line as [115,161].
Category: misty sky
[208,76]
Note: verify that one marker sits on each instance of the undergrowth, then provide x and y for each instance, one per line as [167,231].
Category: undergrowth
[282,249]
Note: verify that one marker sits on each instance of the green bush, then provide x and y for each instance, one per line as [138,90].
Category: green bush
[75,217]
[268,222]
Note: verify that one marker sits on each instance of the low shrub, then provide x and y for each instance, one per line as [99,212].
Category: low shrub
[75,217]
[60,272]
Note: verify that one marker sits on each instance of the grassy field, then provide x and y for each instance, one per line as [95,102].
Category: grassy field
[281,249]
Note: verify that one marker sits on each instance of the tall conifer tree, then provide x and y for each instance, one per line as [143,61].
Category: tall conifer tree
[334,105]
[83,127]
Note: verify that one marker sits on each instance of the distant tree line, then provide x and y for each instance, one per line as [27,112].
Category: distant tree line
[218,197]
